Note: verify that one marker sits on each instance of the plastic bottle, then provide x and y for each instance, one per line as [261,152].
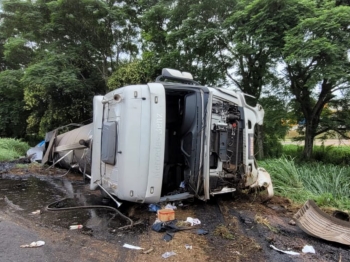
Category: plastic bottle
[75,227]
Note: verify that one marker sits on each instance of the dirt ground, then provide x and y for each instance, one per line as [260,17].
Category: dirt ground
[240,228]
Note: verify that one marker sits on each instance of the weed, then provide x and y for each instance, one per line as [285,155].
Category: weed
[264,221]
[21,166]
[223,231]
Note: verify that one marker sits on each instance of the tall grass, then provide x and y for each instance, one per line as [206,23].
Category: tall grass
[328,185]
[337,155]
[12,148]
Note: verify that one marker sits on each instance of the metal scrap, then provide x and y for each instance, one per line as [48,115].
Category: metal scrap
[313,221]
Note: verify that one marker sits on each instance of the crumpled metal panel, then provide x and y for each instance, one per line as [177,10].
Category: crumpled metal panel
[313,221]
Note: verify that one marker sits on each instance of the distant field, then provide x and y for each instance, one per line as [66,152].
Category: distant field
[318,142]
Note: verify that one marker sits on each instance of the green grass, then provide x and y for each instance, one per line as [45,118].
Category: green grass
[337,155]
[11,149]
[328,185]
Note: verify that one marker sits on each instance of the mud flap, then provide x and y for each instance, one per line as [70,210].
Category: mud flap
[313,221]
[264,181]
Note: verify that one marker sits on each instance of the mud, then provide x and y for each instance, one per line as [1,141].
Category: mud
[240,227]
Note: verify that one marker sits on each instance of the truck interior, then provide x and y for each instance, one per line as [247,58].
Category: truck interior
[181,116]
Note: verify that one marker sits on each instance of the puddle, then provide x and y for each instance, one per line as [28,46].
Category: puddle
[29,193]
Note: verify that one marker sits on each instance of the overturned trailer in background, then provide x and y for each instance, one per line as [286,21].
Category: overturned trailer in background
[165,141]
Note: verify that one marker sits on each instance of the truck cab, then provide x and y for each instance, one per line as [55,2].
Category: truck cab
[174,139]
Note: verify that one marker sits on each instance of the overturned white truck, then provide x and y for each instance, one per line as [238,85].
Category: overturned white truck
[165,141]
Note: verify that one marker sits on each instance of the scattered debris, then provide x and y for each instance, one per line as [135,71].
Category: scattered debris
[72,227]
[148,251]
[153,208]
[34,244]
[166,215]
[286,252]
[313,221]
[169,226]
[308,249]
[188,246]
[168,254]
[292,222]
[36,212]
[170,206]
[132,247]
[168,236]
[193,221]
[139,222]
[36,153]
[202,232]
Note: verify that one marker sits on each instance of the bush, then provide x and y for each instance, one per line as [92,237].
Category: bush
[12,148]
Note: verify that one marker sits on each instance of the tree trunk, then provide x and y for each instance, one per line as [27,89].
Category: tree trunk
[259,142]
[309,140]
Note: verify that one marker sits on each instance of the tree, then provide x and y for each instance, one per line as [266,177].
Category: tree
[310,39]
[67,49]
[252,38]
[12,113]
[56,94]
[135,72]
[184,35]
[275,125]
[317,64]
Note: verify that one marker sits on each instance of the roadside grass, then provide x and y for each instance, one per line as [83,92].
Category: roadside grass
[327,184]
[337,155]
[11,148]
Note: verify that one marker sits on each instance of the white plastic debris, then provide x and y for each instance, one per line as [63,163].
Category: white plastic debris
[36,212]
[132,247]
[35,244]
[170,206]
[286,252]
[188,246]
[168,254]
[182,184]
[193,221]
[75,227]
[292,222]
[308,249]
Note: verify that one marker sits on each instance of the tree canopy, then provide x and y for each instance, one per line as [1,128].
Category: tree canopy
[55,55]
